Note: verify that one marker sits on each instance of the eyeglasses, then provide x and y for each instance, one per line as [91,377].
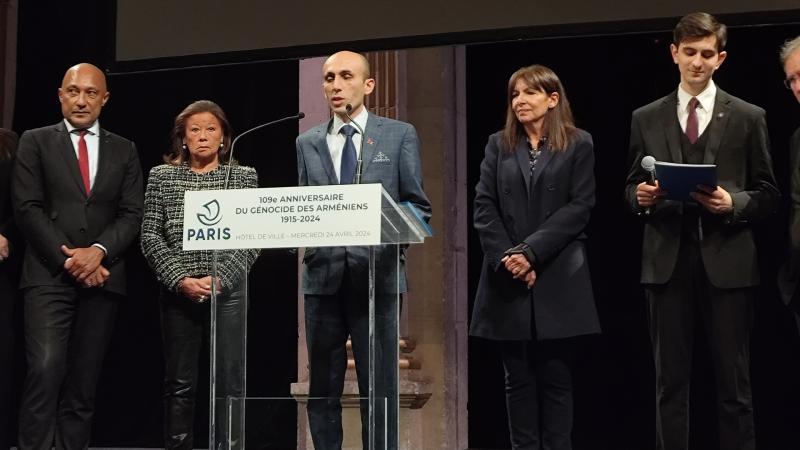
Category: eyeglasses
[789,82]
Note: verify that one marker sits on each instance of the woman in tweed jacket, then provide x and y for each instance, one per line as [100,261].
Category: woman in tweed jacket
[199,149]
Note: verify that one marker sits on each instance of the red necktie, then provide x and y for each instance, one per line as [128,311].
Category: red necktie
[692,131]
[83,162]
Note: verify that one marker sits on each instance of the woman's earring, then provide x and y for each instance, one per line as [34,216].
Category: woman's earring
[183,146]
[221,145]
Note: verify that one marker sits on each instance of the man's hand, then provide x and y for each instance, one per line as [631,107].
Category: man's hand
[97,278]
[197,290]
[530,278]
[648,195]
[4,248]
[716,201]
[81,262]
[517,265]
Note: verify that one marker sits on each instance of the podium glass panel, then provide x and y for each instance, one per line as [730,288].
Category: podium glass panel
[231,411]
[268,417]
[401,225]
[228,361]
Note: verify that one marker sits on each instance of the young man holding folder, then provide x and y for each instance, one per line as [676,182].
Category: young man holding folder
[699,259]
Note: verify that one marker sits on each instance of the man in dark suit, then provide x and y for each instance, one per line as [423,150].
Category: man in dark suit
[335,278]
[788,280]
[699,259]
[77,194]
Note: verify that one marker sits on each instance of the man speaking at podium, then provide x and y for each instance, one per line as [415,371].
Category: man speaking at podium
[335,279]
[699,263]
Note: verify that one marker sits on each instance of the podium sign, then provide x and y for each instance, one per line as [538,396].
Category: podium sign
[308,216]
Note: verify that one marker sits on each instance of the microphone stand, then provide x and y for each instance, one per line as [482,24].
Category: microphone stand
[347,110]
[372,391]
[213,318]
[297,116]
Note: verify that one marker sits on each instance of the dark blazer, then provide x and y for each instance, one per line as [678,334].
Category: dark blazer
[7,226]
[790,272]
[738,144]
[390,157]
[52,208]
[551,221]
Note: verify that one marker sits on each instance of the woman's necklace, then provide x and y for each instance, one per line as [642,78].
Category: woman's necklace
[534,152]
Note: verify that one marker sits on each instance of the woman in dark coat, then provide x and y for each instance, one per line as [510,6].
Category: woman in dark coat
[532,204]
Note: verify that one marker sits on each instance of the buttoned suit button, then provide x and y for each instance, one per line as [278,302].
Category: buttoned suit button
[82,230]
[506,190]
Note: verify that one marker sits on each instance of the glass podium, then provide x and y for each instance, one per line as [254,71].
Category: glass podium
[235,417]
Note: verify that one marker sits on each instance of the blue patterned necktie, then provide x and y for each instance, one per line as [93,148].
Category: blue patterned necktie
[347,172]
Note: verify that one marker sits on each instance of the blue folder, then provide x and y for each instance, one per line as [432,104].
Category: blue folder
[679,180]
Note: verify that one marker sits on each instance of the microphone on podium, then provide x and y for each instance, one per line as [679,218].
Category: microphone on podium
[297,116]
[649,165]
[347,110]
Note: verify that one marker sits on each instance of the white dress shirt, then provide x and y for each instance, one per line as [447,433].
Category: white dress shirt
[336,140]
[92,139]
[705,107]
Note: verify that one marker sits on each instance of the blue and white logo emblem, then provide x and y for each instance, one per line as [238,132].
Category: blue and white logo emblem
[210,216]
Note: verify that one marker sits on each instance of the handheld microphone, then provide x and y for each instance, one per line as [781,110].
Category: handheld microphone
[297,116]
[649,165]
[347,109]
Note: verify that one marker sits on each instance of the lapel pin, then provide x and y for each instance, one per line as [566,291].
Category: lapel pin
[370,141]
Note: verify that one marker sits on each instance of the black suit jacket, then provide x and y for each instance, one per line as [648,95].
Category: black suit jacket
[52,208]
[550,219]
[790,272]
[7,227]
[738,144]
[9,268]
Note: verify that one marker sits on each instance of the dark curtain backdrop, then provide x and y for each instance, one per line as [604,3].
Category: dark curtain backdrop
[55,35]
[606,78]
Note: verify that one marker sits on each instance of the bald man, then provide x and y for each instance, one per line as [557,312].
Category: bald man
[77,196]
[335,279]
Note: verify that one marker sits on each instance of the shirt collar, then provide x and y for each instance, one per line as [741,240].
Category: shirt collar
[93,130]
[360,119]
[706,98]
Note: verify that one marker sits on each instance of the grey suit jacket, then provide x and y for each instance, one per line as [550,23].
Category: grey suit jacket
[51,206]
[738,144]
[391,157]
[548,212]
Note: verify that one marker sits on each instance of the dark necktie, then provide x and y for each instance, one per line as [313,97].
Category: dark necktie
[347,172]
[83,160]
[692,131]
